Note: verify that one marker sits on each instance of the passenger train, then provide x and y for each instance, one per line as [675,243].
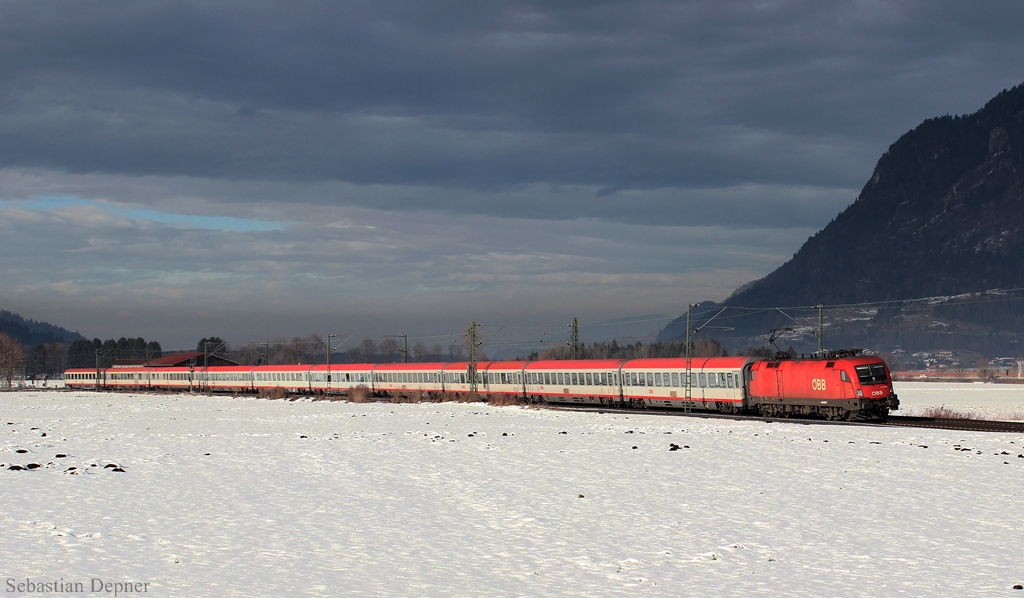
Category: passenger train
[838,386]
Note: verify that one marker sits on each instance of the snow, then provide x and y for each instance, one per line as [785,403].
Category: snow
[326,499]
[984,400]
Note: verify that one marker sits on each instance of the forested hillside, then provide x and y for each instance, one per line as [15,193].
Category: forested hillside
[29,332]
[941,215]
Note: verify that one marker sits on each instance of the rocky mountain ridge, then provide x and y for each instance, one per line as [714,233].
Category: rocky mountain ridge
[942,215]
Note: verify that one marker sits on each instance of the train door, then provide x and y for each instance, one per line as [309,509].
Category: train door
[779,385]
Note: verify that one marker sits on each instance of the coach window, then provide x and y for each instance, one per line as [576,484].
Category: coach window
[675,380]
[657,378]
[728,378]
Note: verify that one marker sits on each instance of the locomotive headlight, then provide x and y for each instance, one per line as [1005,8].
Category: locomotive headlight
[860,393]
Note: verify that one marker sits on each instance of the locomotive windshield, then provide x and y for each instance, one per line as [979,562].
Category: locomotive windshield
[871,374]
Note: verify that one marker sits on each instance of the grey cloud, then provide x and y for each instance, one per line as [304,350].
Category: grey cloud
[366,270]
[643,95]
[743,206]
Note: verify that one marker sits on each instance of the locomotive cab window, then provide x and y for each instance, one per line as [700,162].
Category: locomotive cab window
[843,376]
[871,374]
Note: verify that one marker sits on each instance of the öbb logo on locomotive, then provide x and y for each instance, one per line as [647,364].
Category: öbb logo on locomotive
[844,384]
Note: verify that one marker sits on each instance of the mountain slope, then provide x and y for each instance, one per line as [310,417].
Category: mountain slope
[942,214]
[31,332]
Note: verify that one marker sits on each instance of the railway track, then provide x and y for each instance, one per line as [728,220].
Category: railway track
[966,425]
[971,425]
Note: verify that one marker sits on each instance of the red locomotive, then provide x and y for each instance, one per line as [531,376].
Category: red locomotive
[843,385]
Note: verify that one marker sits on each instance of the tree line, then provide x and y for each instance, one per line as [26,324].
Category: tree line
[312,349]
[85,353]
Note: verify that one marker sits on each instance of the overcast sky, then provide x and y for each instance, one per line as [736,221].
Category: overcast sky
[256,170]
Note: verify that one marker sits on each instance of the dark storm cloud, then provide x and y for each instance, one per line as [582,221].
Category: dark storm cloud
[672,97]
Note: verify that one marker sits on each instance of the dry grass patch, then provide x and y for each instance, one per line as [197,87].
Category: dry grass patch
[272,393]
[359,394]
[943,412]
[505,400]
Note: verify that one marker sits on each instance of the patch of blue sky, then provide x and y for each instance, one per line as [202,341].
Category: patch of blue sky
[220,223]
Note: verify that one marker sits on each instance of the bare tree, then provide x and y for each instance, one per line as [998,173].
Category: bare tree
[367,349]
[959,369]
[316,348]
[456,352]
[708,347]
[389,347]
[12,357]
[420,352]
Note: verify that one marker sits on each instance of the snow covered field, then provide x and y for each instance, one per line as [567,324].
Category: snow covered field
[242,497]
[982,399]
